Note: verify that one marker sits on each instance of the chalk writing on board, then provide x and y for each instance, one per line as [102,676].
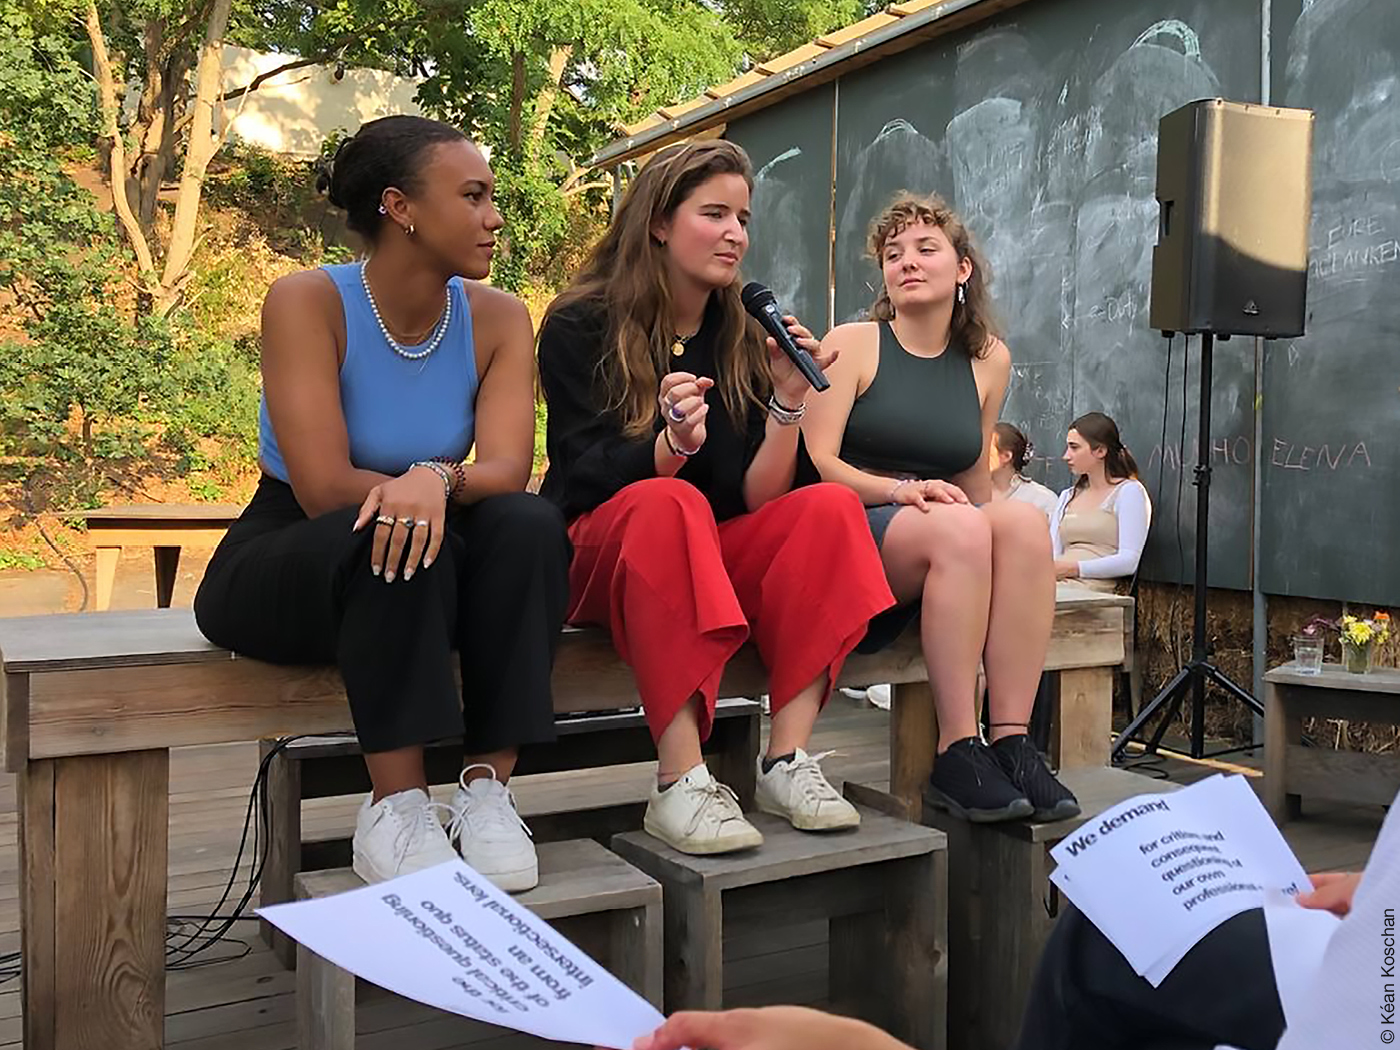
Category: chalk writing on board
[1336,455]
[1237,451]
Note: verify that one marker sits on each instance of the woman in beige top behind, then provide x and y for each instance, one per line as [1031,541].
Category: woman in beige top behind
[1100,524]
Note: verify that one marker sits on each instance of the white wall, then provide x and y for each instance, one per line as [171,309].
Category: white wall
[294,112]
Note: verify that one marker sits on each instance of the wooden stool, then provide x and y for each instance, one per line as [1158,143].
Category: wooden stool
[326,767]
[999,875]
[601,903]
[882,887]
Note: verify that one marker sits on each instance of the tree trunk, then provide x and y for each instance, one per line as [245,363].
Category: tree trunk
[544,105]
[199,151]
[111,130]
[162,103]
[517,99]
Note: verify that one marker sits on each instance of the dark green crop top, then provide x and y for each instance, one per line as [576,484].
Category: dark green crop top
[920,417]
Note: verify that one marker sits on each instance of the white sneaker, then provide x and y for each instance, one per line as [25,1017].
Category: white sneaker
[798,791]
[697,814]
[398,835]
[490,834]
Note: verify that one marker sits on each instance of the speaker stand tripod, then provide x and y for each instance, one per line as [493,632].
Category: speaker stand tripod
[1192,678]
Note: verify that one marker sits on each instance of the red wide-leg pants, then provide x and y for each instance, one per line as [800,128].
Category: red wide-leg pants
[681,594]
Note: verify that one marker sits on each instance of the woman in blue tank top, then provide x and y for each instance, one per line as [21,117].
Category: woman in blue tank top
[907,424]
[370,542]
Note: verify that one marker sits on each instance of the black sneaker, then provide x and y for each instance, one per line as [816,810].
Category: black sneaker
[1028,771]
[969,783]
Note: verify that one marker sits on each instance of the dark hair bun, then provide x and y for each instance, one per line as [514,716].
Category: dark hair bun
[385,153]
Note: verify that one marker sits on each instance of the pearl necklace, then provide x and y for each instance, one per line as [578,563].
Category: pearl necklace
[412,355]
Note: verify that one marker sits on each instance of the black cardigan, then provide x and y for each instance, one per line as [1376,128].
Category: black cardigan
[590,460]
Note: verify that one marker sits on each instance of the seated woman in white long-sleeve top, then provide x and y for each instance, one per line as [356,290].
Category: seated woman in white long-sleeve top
[1099,526]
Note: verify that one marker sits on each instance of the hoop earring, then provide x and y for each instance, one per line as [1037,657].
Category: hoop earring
[962,293]
[409,229]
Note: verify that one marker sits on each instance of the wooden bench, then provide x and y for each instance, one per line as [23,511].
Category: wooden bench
[326,767]
[882,887]
[1292,770]
[601,903]
[164,527]
[999,875]
[92,704]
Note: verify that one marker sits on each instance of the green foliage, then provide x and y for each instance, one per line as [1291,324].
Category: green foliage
[766,28]
[83,380]
[13,559]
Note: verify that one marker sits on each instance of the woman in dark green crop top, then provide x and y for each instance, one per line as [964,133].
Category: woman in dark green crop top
[914,396]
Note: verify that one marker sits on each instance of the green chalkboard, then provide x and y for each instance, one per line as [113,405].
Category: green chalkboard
[1331,403]
[789,234]
[1041,127]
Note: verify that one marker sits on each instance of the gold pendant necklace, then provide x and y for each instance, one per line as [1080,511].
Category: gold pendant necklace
[680,342]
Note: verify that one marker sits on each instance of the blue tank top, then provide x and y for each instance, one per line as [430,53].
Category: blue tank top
[396,410]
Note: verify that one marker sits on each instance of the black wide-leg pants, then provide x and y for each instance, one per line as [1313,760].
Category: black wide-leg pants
[290,589]
[1087,997]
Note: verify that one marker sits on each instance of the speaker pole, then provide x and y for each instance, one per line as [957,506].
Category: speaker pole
[1201,480]
[1193,677]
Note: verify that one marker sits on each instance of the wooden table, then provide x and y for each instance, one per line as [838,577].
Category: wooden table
[1292,770]
[164,527]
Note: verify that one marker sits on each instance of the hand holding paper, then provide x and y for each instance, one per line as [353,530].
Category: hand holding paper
[448,938]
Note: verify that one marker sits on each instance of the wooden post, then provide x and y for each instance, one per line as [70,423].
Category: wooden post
[283,801]
[693,923]
[635,950]
[913,743]
[37,927]
[1082,731]
[1280,731]
[94,893]
[325,1003]
[107,558]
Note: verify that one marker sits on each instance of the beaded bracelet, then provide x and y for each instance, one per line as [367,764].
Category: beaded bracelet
[458,470]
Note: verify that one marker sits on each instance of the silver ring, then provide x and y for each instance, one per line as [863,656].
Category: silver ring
[673,410]
[406,522]
[421,523]
[384,519]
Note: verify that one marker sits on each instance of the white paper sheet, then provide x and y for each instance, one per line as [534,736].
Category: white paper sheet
[1298,939]
[448,938]
[1157,873]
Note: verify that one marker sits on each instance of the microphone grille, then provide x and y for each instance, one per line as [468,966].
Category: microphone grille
[755,296]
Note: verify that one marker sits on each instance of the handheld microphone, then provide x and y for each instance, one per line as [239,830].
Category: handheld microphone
[762,306]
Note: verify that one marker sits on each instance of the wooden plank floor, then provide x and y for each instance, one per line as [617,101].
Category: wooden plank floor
[248,1002]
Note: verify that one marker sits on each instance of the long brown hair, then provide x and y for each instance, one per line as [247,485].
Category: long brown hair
[626,274]
[1102,433]
[974,322]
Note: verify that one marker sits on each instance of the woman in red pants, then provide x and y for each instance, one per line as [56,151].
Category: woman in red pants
[697,519]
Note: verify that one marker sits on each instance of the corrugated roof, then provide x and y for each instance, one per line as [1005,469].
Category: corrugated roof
[898,27]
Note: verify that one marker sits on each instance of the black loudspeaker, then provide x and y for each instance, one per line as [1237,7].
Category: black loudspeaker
[1234,182]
